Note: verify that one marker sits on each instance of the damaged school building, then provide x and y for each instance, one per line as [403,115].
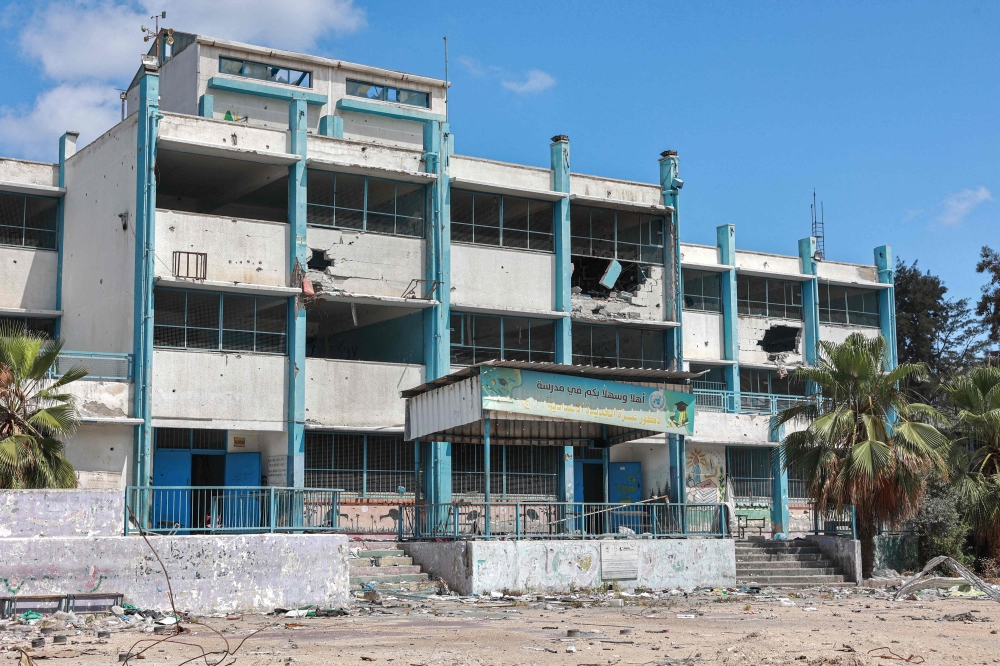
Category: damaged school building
[272,253]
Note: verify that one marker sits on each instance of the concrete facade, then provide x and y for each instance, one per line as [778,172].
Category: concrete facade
[26,514]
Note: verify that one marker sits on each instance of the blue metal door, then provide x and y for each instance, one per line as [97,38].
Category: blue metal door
[625,487]
[241,508]
[171,509]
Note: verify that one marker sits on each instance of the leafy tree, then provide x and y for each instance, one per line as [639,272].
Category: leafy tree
[34,413]
[940,521]
[865,444]
[989,304]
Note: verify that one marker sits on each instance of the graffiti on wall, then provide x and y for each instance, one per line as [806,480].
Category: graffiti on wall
[706,474]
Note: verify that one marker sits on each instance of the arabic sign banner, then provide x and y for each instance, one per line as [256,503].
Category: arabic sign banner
[591,400]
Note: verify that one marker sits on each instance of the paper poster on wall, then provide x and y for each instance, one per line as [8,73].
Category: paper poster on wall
[619,560]
[277,471]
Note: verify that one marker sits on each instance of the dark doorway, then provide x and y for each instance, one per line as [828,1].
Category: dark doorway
[593,494]
[208,472]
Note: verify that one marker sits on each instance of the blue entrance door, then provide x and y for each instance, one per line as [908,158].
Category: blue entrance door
[241,507]
[625,487]
[171,509]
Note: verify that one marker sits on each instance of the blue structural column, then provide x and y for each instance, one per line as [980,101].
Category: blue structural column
[298,256]
[67,148]
[206,106]
[145,220]
[559,156]
[887,302]
[726,241]
[670,186]
[332,126]
[437,334]
[810,299]
[780,515]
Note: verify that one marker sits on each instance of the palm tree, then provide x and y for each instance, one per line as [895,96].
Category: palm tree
[863,444]
[34,413]
[976,397]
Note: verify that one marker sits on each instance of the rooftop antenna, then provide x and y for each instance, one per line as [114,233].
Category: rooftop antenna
[167,34]
[818,226]
[446,84]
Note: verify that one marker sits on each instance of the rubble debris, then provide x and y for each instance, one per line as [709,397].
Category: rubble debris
[914,583]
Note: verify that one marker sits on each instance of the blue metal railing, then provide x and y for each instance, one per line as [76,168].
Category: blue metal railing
[713,400]
[221,509]
[842,522]
[559,520]
[101,366]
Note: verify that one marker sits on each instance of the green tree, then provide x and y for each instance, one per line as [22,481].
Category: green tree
[864,443]
[989,304]
[34,412]
[976,397]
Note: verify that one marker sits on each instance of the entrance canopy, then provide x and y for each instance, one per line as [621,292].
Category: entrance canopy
[517,402]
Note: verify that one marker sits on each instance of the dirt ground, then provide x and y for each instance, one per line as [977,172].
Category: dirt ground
[856,628]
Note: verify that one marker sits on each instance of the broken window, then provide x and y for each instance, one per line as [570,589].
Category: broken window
[479,338]
[714,378]
[492,219]
[262,72]
[318,261]
[364,332]
[360,465]
[770,382]
[221,322]
[780,339]
[46,327]
[766,297]
[387,93]
[515,470]
[848,305]
[592,276]
[27,221]
[347,201]
[616,234]
[702,290]
[618,346]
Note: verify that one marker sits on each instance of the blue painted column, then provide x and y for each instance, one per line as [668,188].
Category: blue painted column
[887,302]
[670,186]
[559,156]
[437,334]
[206,106]
[67,149]
[332,126]
[297,257]
[810,300]
[147,129]
[780,515]
[726,241]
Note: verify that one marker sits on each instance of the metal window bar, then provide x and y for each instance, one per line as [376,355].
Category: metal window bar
[749,472]
[333,206]
[362,466]
[202,317]
[536,339]
[28,221]
[100,366]
[515,471]
[622,243]
[533,233]
[192,265]
[840,522]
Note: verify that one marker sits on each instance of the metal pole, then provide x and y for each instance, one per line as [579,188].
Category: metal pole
[486,469]
[854,523]
[517,520]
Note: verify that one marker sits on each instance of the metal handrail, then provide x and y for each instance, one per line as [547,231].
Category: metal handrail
[101,366]
[842,522]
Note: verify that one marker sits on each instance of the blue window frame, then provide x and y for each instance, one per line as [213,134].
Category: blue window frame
[360,465]
[28,221]
[702,291]
[749,473]
[492,219]
[765,297]
[478,338]
[848,305]
[618,347]
[616,234]
[191,439]
[46,327]
[262,72]
[518,471]
[388,93]
[220,322]
[770,382]
[375,205]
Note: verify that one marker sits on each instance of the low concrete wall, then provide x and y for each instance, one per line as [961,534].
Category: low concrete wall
[897,551]
[244,573]
[480,567]
[61,513]
[846,553]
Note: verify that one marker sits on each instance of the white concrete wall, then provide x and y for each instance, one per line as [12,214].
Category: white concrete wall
[358,393]
[99,256]
[27,172]
[248,251]
[703,336]
[179,82]
[616,190]
[771,263]
[647,303]
[365,154]
[220,132]
[653,457]
[502,278]
[101,399]
[501,173]
[751,330]
[370,264]
[219,390]
[699,254]
[102,448]
[842,272]
[28,278]
[837,333]
[740,429]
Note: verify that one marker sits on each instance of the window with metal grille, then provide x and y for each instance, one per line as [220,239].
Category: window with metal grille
[387,93]
[616,234]
[492,219]
[262,72]
[753,380]
[848,305]
[714,378]
[749,473]
[190,438]
[27,221]
[478,338]
[361,465]
[702,291]
[347,201]
[617,347]
[797,486]
[221,322]
[587,453]
[46,327]
[515,471]
[764,297]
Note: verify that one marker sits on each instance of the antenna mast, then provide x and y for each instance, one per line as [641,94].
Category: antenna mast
[818,226]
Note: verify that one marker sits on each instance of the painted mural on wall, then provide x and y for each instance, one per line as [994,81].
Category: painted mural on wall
[370,518]
[706,474]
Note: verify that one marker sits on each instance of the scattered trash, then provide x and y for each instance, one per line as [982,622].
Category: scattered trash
[572,633]
[59,640]
[31,615]
[785,601]
[104,634]
[964,617]
[570,648]
[914,583]
[889,654]
[685,616]
[37,642]
[810,608]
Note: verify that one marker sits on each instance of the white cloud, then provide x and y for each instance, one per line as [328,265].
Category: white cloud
[88,108]
[536,82]
[956,207]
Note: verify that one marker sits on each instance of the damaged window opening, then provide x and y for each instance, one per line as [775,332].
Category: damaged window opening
[45,327]
[479,338]
[616,234]
[262,72]
[588,273]
[764,297]
[492,219]
[346,201]
[318,261]
[515,470]
[360,465]
[219,322]
[27,221]
[713,380]
[848,305]
[387,93]
[753,380]
[618,347]
[364,332]
[780,339]
[702,290]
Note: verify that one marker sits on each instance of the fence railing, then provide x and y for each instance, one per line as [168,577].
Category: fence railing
[837,522]
[559,520]
[101,366]
[221,509]
[713,400]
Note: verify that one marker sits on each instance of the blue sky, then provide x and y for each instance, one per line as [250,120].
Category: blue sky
[890,110]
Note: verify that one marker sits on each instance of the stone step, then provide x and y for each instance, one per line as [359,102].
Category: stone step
[803,550]
[388,578]
[784,573]
[783,557]
[383,562]
[765,566]
[790,581]
[381,553]
[384,571]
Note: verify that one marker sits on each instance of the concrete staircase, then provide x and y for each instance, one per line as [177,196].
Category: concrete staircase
[797,563]
[384,566]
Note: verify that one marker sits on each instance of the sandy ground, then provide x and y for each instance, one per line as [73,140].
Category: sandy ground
[859,628]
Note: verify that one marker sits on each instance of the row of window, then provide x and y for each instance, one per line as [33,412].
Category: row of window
[616,234]
[388,93]
[848,305]
[752,380]
[346,201]
[262,72]
[46,327]
[750,475]
[220,322]
[28,221]
[492,219]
